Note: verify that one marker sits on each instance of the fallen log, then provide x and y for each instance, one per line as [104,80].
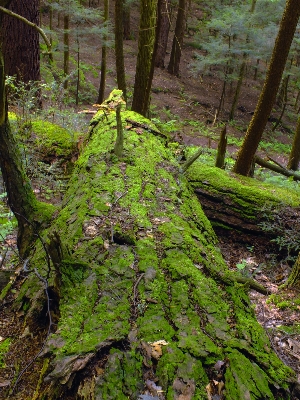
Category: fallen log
[145,303]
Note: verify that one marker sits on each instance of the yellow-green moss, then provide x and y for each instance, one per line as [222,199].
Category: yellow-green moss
[52,139]
[139,255]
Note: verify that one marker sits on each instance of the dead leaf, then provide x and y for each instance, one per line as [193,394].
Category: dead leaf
[156,348]
[4,382]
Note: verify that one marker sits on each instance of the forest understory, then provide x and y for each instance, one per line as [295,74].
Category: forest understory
[186,105]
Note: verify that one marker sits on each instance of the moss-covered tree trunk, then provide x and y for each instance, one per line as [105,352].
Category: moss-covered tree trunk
[147,306]
[268,94]
[21,198]
[145,58]
[294,158]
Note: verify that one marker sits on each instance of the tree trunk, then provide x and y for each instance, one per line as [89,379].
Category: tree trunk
[173,67]
[126,21]
[294,158]
[21,42]
[145,61]
[66,50]
[164,23]
[120,67]
[268,95]
[238,89]
[103,58]
[294,278]
[221,148]
[21,199]
[147,306]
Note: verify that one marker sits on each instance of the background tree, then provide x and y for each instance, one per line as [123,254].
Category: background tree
[164,21]
[145,61]
[268,95]
[173,67]
[21,49]
[294,157]
[119,51]
[103,57]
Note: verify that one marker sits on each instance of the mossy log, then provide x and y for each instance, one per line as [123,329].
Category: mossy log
[147,306]
[234,202]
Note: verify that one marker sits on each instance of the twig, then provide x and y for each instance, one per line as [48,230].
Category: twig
[191,160]
[135,287]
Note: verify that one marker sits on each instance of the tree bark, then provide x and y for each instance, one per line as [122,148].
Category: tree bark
[103,58]
[137,269]
[120,67]
[173,67]
[21,42]
[294,158]
[294,277]
[145,58]
[162,41]
[66,49]
[21,199]
[268,95]
[126,21]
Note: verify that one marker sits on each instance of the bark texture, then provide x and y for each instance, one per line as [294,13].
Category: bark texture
[21,42]
[147,306]
[145,62]
[120,67]
[268,95]
[294,158]
[21,199]
[164,21]
[173,67]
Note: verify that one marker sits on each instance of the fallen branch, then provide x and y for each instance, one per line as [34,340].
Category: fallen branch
[280,170]
[191,160]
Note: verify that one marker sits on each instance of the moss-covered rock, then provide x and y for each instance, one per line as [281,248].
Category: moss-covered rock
[143,304]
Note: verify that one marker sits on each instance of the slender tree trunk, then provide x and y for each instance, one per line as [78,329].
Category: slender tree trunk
[294,158]
[268,95]
[120,67]
[78,69]
[294,277]
[126,21]
[221,149]
[164,19]
[21,49]
[66,49]
[103,58]
[237,90]
[173,67]
[145,61]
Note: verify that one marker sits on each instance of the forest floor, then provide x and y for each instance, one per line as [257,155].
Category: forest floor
[186,99]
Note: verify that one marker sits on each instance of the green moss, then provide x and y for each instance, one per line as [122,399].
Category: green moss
[157,278]
[245,379]
[240,187]
[52,139]
[4,347]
